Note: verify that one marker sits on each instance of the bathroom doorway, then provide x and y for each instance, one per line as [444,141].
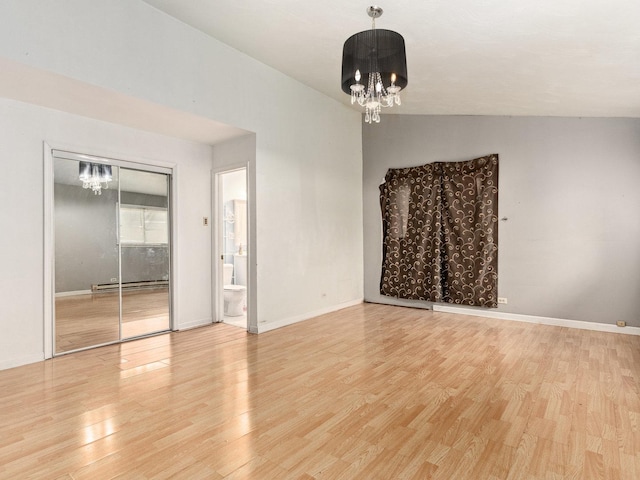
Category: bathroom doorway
[232,247]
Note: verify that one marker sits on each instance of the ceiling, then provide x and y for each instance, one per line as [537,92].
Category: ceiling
[468,57]
[52,90]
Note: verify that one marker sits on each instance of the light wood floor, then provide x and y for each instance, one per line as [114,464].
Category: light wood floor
[88,320]
[370,392]
[239,321]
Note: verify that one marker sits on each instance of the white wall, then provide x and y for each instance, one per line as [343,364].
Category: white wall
[570,248]
[23,129]
[307,171]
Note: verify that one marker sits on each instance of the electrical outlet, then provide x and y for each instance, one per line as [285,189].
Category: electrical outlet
[502,300]
[621,323]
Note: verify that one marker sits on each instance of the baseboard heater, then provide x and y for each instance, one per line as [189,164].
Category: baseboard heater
[104,287]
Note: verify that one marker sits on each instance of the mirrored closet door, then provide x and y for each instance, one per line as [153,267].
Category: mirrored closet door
[144,252]
[112,252]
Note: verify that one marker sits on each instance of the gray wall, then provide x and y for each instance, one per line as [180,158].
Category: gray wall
[85,237]
[135,198]
[570,248]
[86,240]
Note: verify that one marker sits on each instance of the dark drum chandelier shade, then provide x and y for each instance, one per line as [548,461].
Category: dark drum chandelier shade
[374,68]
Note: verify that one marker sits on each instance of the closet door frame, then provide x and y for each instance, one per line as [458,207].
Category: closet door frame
[51,150]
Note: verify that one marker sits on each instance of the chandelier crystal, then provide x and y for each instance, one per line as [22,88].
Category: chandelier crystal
[378,58]
[95,176]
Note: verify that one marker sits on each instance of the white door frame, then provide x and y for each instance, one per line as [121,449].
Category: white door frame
[49,233]
[217,272]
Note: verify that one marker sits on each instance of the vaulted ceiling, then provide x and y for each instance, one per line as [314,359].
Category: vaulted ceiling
[469,57]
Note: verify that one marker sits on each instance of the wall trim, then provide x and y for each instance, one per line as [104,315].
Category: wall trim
[267,326]
[556,322]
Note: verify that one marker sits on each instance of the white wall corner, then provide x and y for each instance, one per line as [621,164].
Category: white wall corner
[267,326]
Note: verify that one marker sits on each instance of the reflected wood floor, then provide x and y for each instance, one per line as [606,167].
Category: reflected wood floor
[87,320]
[370,392]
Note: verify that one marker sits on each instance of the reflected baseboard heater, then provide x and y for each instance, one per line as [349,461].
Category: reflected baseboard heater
[105,287]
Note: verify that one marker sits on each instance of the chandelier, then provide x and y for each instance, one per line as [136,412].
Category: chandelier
[94,175]
[374,68]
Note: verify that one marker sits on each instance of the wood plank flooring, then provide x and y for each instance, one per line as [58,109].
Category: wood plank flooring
[369,392]
[88,320]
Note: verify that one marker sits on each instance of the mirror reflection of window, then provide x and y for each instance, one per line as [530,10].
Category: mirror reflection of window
[143,225]
[131,225]
[155,226]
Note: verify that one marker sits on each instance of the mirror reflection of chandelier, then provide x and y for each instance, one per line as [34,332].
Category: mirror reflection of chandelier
[95,176]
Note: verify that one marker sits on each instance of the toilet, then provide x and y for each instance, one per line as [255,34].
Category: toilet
[234,295]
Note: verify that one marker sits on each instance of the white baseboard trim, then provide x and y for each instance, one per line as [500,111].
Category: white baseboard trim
[557,322]
[72,294]
[194,324]
[19,361]
[267,326]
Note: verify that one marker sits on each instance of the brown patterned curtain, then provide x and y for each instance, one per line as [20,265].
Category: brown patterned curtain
[440,232]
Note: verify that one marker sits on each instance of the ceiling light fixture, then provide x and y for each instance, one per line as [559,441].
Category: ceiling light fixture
[93,175]
[374,68]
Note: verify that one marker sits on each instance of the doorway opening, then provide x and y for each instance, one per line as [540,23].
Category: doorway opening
[232,247]
[112,251]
